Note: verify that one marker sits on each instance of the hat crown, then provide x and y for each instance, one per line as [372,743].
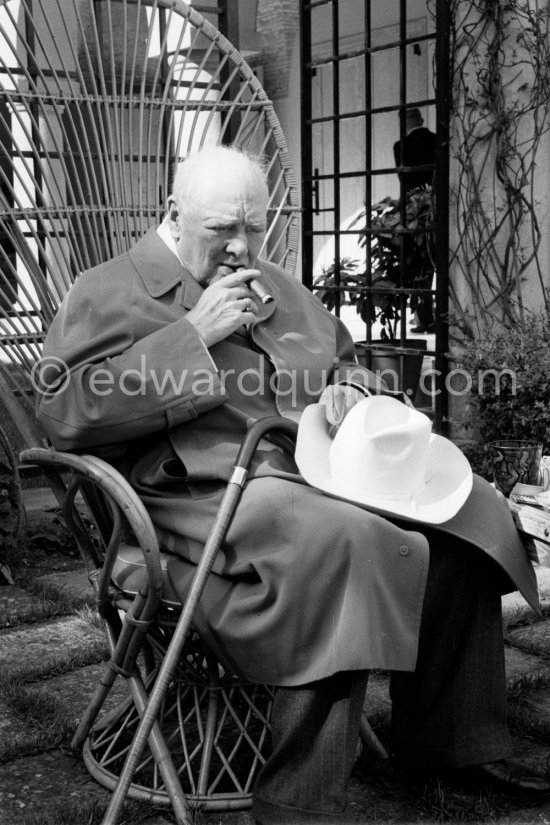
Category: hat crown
[382,448]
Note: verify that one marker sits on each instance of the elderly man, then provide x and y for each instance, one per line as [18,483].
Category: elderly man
[171,357]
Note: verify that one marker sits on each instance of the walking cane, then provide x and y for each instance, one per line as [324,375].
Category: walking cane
[173,652]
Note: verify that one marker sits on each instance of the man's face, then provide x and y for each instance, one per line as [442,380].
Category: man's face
[223,229]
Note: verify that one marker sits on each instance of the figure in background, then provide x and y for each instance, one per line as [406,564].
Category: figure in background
[417,149]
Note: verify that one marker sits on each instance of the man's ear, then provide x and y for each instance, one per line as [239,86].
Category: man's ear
[173,217]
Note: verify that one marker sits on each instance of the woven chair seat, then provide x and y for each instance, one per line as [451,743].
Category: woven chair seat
[130,568]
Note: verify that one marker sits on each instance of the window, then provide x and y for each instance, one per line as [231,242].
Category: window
[374,164]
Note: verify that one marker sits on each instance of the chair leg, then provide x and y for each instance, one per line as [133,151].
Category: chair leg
[119,649]
[210,727]
[162,759]
[123,651]
[183,626]
[369,739]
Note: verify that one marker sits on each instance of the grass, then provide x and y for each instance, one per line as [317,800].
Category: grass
[90,616]
[523,616]
[63,602]
[92,812]
[391,795]
[135,813]
[44,716]
[56,664]
[49,604]
[442,804]
[27,694]
[380,791]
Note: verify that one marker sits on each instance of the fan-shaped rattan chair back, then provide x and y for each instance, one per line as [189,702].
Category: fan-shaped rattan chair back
[99,99]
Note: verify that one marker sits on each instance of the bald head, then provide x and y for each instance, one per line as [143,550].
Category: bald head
[216,169]
[217,212]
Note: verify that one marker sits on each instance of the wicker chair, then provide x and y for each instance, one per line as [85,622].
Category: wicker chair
[98,100]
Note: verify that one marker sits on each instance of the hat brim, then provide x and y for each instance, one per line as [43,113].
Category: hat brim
[448,485]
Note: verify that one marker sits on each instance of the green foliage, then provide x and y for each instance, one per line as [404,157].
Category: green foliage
[347,282]
[10,497]
[9,509]
[52,534]
[387,242]
[510,382]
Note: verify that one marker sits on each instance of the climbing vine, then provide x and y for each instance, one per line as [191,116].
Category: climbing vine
[500,65]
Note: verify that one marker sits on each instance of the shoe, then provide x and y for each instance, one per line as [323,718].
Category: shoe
[512,778]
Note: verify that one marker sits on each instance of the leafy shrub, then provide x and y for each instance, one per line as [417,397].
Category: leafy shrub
[10,496]
[371,290]
[510,382]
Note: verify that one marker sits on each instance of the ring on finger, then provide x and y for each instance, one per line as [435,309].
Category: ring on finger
[247,304]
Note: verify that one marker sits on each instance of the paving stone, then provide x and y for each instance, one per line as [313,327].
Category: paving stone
[74,690]
[43,784]
[26,648]
[530,712]
[72,583]
[39,498]
[535,638]
[515,608]
[543,567]
[542,572]
[231,818]
[531,754]
[18,606]
[17,736]
[35,787]
[524,667]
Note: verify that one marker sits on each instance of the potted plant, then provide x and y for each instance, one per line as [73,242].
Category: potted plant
[506,377]
[348,281]
[372,289]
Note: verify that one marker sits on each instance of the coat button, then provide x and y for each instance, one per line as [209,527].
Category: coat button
[404,550]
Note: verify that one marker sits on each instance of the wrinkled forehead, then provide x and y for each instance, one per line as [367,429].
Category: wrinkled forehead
[239,192]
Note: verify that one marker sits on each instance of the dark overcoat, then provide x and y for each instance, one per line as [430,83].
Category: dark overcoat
[306,585]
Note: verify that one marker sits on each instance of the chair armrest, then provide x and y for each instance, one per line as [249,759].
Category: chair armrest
[112,502]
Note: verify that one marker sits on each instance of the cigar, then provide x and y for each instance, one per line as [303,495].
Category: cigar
[259,290]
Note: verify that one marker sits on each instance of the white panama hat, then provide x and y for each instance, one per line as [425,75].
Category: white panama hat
[385,457]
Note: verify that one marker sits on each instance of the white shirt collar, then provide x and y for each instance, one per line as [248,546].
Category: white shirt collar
[164,231]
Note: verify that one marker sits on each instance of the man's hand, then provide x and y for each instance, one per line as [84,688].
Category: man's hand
[338,400]
[225,305]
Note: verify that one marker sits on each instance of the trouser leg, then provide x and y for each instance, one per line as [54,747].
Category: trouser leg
[314,738]
[451,712]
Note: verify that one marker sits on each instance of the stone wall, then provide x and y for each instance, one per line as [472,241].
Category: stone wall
[277,23]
